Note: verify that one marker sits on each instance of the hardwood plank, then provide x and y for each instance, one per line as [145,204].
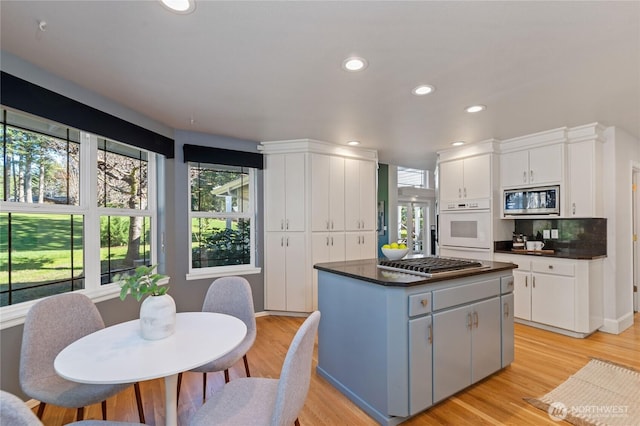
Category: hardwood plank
[543,360]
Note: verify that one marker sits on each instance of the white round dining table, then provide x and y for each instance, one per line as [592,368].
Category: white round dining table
[119,354]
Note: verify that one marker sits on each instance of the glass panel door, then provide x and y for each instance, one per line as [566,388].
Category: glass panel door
[413,227]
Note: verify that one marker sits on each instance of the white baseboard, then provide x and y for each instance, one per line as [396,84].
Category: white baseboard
[282,313]
[617,326]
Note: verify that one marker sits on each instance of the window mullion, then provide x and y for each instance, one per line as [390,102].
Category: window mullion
[89,200]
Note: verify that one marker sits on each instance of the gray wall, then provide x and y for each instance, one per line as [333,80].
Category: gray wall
[187,294]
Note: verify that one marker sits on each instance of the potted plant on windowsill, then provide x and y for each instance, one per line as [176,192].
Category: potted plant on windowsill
[158,310]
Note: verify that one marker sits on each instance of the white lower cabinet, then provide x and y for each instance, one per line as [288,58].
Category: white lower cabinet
[288,288]
[361,245]
[466,347]
[553,300]
[326,247]
[565,294]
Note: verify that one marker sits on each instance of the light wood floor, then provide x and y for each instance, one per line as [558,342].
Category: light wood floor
[543,360]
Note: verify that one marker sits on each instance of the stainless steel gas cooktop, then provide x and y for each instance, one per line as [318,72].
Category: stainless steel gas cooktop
[429,266]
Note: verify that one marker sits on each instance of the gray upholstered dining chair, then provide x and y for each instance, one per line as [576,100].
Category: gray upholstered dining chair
[14,412]
[231,296]
[52,324]
[262,401]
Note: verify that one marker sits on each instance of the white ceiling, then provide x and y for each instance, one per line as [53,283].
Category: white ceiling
[272,70]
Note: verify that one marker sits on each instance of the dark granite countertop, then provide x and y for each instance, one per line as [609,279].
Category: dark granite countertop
[367,270]
[570,252]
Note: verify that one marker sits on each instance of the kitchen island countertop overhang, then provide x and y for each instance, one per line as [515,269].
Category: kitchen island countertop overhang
[368,270]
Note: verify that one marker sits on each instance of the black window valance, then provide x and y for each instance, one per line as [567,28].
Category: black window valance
[228,157]
[33,99]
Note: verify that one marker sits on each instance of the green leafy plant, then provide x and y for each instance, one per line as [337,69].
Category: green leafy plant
[143,281]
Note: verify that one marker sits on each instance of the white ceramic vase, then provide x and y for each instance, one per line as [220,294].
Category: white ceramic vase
[157,317]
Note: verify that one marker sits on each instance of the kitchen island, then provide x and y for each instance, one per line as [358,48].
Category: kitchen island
[396,343]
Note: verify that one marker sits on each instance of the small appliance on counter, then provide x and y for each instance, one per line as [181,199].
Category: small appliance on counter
[519,241]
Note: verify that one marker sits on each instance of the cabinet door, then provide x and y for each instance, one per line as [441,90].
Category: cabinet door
[553,300]
[420,364]
[514,168]
[368,195]
[352,194]
[508,339]
[360,245]
[582,180]
[336,193]
[320,192]
[275,271]
[477,177]
[451,176]
[298,286]
[294,192]
[546,164]
[451,352]
[486,352]
[522,294]
[336,247]
[274,188]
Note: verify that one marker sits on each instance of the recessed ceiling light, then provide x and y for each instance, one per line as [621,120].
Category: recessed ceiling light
[179,6]
[353,143]
[354,64]
[457,143]
[475,108]
[423,89]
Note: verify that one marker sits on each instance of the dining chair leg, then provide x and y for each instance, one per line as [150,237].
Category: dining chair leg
[179,384]
[41,409]
[136,388]
[297,423]
[204,387]
[104,410]
[80,414]
[226,375]
[246,365]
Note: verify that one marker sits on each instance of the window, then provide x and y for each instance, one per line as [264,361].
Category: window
[412,178]
[75,209]
[222,219]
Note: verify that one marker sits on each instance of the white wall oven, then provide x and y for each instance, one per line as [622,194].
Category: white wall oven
[466,225]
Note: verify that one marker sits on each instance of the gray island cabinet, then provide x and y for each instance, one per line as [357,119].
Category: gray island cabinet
[396,343]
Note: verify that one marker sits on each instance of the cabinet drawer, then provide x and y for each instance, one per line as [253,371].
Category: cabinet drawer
[462,294]
[556,268]
[506,284]
[419,304]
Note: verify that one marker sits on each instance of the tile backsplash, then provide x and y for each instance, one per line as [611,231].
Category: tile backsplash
[588,234]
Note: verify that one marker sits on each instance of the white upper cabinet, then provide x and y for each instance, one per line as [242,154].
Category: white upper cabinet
[532,167]
[360,195]
[327,193]
[585,174]
[469,178]
[284,177]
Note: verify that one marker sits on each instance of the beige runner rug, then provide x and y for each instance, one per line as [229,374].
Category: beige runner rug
[600,393]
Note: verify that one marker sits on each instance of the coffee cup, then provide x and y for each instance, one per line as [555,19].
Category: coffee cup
[534,245]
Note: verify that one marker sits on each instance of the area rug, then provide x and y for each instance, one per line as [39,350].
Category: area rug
[600,393]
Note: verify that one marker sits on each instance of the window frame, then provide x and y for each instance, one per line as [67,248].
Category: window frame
[12,315]
[251,214]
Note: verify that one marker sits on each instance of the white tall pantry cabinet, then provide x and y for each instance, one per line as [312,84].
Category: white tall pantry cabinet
[320,206]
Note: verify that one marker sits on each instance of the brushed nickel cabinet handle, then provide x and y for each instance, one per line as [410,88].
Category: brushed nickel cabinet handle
[430,339]
[476,319]
[424,302]
[526,281]
[506,310]
[469,321]
[524,176]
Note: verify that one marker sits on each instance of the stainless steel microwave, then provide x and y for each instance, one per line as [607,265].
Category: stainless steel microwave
[531,201]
